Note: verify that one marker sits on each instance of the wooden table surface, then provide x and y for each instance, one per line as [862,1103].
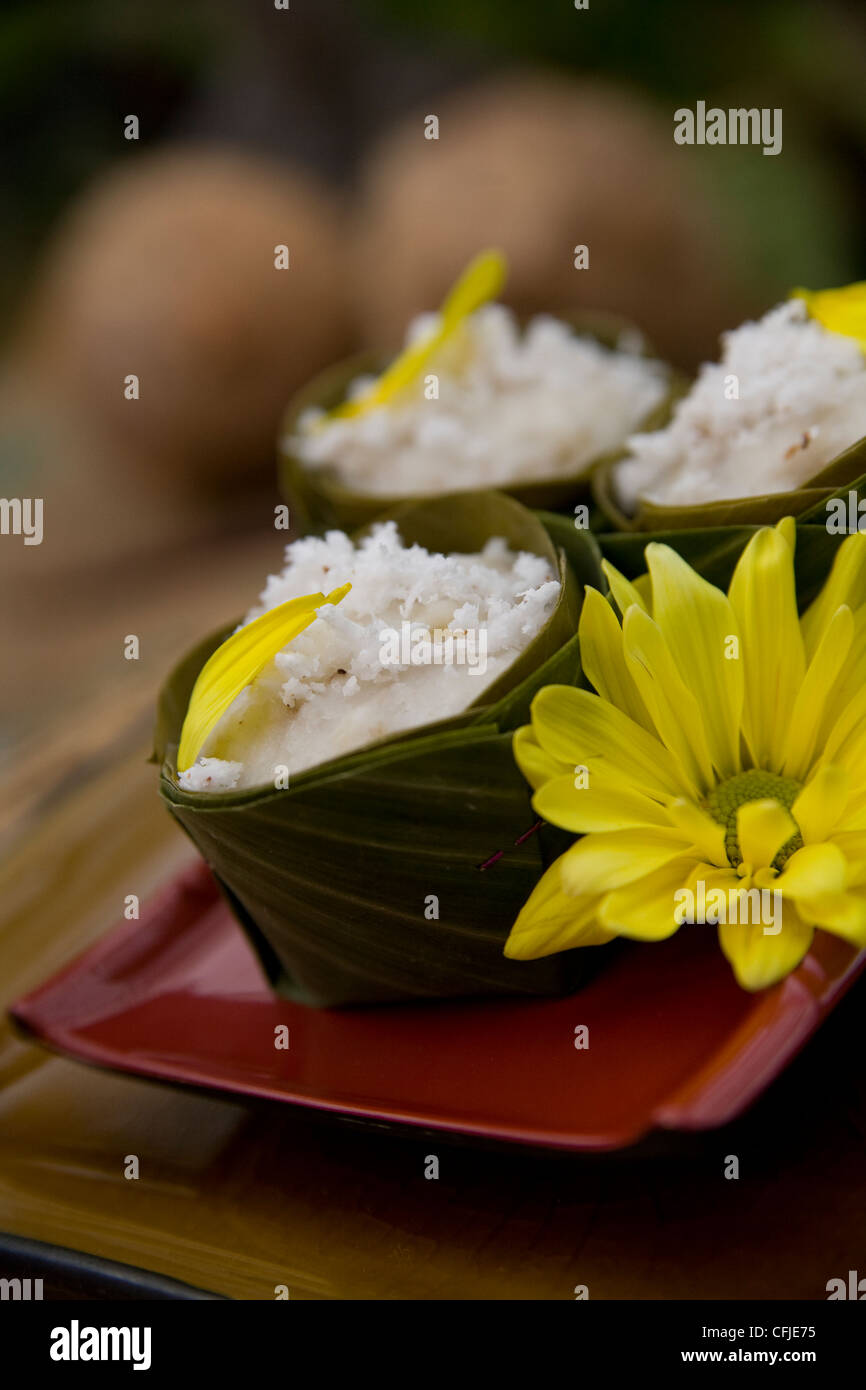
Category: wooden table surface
[237,1198]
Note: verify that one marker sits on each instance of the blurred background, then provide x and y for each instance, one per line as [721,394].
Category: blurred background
[305,126]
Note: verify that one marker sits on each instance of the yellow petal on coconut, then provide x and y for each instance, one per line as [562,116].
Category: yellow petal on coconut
[821,804]
[763,827]
[601,862]
[238,661]
[481,281]
[674,710]
[536,765]
[586,808]
[813,871]
[645,910]
[700,830]
[764,599]
[552,920]
[760,960]
[603,660]
[843,914]
[624,592]
[846,584]
[700,629]
[816,693]
[575,726]
[840,311]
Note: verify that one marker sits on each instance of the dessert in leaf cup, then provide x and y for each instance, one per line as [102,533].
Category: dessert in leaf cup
[776,427]
[475,400]
[451,747]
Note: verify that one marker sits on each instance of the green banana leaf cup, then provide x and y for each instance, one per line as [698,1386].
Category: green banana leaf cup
[362,882]
[846,473]
[318,498]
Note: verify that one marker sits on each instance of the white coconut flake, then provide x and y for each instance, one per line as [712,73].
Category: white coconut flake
[786,397]
[512,406]
[211,775]
[417,639]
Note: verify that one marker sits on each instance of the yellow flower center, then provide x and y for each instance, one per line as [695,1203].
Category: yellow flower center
[725,800]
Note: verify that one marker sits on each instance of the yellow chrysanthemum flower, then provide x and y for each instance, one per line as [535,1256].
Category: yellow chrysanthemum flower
[724,748]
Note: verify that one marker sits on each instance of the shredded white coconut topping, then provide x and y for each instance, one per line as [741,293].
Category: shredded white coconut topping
[785,399]
[512,406]
[417,639]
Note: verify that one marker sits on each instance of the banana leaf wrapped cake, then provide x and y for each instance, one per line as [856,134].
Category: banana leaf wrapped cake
[776,427]
[476,400]
[343,759]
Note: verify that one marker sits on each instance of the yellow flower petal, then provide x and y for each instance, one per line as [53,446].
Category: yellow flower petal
[700,629]
[645,910]
[742,901]
[763,827]
[851,813]
[759,959]
[813,871]
[536,765]
[481,281]
[846,584]
[700,830]
[763,596]
[595,808]
[845,744]
[841,311]
[603,660]
[574,726]
[851,679]
[818,686]
[552,920]
[716,876]
[236,663]
[624,592]
[601,862]
[853,845]
[673,708]
[821,803]
[843,914]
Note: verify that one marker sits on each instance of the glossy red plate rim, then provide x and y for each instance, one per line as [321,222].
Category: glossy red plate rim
[674,1044]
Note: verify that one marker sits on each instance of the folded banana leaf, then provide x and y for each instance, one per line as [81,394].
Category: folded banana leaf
[318,499]
[846,472]
[362,882]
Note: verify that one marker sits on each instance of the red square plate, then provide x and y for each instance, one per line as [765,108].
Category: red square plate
[673,1042]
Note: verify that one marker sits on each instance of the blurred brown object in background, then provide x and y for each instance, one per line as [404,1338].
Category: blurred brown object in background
[538,165]
[165,269]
